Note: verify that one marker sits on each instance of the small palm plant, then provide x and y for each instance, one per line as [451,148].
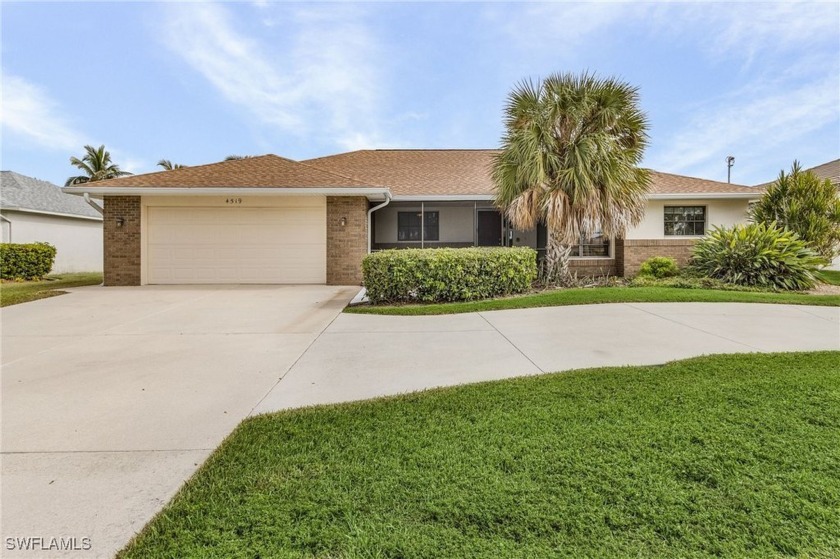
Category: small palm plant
[96,165]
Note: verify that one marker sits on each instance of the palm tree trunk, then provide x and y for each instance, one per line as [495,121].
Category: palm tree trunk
[555,268]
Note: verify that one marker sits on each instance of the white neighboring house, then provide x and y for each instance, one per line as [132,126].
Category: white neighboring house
[33,210]
[831,171]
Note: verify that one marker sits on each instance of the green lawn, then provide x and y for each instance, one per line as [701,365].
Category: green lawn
[593,295]
[13,293]
[722,456]
[830,276]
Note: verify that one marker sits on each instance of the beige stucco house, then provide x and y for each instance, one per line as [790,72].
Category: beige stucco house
[268,219]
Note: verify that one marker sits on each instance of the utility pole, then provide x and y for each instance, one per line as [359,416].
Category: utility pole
[730,161]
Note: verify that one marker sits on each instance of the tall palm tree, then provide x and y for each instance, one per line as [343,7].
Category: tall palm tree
[97,166]
[570,157]
[168,165]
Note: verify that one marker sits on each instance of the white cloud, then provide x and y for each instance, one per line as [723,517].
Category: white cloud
[29,111]
[751,121]
[328,85]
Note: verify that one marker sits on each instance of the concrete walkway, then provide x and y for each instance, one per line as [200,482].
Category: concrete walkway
[112,397]
[364,356]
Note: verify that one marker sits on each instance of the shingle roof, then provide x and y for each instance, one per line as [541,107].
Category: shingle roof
[19,191]
[437,172]
[830,170]
[264,171]
[417,172]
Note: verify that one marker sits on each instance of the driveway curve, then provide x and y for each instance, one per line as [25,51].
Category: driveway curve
[364,356]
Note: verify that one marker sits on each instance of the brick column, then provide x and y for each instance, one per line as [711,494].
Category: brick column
[346,244]
[122,242]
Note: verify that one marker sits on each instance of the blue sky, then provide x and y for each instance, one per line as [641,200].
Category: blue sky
[195,82]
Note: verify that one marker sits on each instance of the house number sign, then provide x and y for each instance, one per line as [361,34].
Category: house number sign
[233,201]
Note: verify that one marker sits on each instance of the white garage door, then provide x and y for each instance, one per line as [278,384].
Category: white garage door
[237,245]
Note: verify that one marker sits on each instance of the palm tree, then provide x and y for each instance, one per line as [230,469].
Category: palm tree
[237,157]
[168,165]
[97,166]
[570,158]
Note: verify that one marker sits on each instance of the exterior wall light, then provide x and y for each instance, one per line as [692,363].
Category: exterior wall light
[342,221]
[120,221]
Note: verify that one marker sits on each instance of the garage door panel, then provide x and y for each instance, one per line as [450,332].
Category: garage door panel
[237,245]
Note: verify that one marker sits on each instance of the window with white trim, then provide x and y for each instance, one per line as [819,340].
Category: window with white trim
[685,220]
[591,247]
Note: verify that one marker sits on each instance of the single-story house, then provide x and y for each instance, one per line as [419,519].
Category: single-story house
[33,210]
[268,219]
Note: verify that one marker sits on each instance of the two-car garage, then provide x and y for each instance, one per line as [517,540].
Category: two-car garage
[235,240]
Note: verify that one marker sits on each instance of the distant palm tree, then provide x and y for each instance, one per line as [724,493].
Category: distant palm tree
[570,159]
[237,157]
[97,166]
[169,166]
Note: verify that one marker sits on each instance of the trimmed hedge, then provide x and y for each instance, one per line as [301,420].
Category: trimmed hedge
[434,275]
[26,261]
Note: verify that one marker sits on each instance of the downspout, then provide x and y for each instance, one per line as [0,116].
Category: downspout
[9,221]
[370,213]
[93,204]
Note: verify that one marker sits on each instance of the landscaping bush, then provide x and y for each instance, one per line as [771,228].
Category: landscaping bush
[448,274]
[26,261]
[693,282]
[659,267]
[757,254]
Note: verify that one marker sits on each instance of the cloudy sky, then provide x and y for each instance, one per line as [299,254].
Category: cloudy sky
[195,82]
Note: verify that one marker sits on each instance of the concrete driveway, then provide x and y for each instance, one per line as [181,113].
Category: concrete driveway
[111,397]
[364,356]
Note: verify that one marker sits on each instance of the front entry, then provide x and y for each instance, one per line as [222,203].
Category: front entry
[489,228]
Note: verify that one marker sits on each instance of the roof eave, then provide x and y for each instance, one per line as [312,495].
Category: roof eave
[373,193]
[705,196]
[54,214]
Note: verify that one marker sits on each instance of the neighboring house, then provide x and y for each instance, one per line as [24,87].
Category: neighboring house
[268,219]
[33,210]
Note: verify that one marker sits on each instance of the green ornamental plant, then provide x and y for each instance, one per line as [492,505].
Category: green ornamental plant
[659,267]
[757,254]
[448,274]
[26,261]
[805,204]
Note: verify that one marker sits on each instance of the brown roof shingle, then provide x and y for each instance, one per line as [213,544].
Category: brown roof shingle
[450,172]
[830,171]
[264,171]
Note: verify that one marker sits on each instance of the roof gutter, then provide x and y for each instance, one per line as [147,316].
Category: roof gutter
[99,191]
[93,204]
[370,214]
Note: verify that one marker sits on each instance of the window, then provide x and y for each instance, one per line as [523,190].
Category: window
[685,220]
[408,226]
[595,246]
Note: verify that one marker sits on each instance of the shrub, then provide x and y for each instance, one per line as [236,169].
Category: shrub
[26,261]
[448,274]
[805,204]
[692,282]
[659,267]
[757,255]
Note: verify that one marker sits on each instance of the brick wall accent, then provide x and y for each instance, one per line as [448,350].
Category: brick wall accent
[347,245]
[592,267]
[121,244]
[635,251]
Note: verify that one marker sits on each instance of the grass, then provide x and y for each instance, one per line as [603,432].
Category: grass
[829,276]
[14,293]
[721,456]
[594,295]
